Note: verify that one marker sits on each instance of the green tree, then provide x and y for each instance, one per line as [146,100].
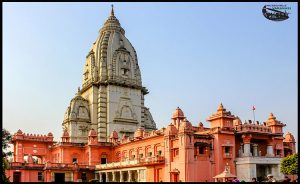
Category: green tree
[6,137]
[289,165]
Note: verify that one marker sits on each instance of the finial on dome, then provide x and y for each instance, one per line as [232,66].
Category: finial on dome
[272,116]
[112,10]
[220,108]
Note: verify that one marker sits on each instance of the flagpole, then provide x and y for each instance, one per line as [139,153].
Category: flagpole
[253,109]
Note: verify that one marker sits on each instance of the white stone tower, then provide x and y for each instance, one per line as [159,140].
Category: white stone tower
[112,91]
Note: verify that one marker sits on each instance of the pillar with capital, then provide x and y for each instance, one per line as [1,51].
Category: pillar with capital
[246,141]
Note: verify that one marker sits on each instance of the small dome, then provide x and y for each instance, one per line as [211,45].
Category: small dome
[185,125]
[289,137]
[171,129]
[92,132]
[178,113]
[237,121]
[66,134]
[139,133]
[19,131]
[50,134]
[114,135]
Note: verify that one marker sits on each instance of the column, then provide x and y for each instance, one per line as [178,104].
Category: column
[114,176]
[270,150]
[106,177]
[138,175]
[121,176]
[241,150]
[255,152]
[100,177]
[129,176]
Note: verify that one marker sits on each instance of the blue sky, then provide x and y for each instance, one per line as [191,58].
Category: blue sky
[191,55]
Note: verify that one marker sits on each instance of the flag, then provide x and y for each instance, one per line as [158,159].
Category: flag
[253,108]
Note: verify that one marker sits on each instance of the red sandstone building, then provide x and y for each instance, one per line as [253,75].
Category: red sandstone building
[179,152]
[110,135]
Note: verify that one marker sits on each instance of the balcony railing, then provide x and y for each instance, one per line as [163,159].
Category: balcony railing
[24,164]
[147,160]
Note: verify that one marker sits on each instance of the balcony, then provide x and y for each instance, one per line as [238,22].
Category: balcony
[136,162]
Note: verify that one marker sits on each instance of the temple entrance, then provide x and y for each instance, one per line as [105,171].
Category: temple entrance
[17,177]
[262,171]
[59,177]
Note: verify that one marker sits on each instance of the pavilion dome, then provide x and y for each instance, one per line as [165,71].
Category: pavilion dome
[185,125]
[178,113]
[171,129]
[289,137]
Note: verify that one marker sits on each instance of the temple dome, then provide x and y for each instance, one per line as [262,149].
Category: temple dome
[112,57]
[78,109]
[289,137]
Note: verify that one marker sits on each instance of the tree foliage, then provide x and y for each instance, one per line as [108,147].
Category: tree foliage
[6,137]
[289,165]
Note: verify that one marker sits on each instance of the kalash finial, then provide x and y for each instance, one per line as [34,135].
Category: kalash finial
[78,91]
[112,10]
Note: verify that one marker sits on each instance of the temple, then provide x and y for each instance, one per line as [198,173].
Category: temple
[109,135]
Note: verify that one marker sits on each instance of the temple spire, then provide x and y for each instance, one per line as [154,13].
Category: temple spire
[112,10]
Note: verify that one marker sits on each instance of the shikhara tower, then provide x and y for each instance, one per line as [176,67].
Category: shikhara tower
[112,95]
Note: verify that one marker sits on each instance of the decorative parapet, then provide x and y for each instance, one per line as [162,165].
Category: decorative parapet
[32,137]
[253,128]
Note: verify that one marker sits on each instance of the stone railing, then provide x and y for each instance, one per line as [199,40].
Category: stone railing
[147,160]
[258,160]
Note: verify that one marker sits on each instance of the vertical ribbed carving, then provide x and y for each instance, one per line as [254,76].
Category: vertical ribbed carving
[103,57]
[102,114]
[142,112]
